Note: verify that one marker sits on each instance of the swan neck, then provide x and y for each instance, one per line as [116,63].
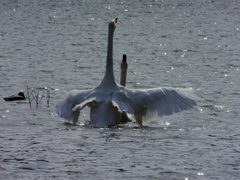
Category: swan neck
[109,75]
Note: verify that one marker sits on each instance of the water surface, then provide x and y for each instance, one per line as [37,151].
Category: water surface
[62,45]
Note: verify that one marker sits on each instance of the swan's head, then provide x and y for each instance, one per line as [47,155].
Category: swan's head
[112,23]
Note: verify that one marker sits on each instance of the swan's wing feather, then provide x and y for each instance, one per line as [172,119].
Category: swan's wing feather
[151,103]
[80,106]
[122,102]
[64,108]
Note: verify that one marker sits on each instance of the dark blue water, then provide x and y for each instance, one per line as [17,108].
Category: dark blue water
[62,45]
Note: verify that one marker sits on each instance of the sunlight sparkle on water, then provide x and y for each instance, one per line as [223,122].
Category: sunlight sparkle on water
[167,123]
[107,7]
[219,107]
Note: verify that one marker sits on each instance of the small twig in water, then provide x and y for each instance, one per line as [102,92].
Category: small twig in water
[29,97]
[36,97]
[48,96]
[32,94]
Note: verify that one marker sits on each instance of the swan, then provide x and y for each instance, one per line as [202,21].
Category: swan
[124,67]
[112,104]
[20,96]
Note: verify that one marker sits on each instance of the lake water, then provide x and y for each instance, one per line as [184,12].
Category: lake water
[62,45]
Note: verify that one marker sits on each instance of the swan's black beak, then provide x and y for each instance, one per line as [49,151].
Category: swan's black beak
[115,20]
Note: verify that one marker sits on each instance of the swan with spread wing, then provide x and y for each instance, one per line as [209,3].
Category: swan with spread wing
[112,104]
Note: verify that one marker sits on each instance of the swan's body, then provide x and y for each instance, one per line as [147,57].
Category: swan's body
[112,104]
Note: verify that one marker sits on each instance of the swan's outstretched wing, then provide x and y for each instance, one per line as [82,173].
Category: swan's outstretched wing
[64,108]
[151,103]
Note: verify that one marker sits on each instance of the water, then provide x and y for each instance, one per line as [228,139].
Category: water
[62,45]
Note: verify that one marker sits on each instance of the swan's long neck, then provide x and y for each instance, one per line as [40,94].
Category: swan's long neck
[109,75]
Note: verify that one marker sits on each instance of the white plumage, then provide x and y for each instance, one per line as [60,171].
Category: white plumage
[113,104]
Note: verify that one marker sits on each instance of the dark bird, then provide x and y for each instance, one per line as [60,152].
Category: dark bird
[18,97]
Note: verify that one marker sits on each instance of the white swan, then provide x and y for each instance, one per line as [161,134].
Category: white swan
[113,104]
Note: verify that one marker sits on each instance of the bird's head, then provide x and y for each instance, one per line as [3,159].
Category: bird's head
[113,22]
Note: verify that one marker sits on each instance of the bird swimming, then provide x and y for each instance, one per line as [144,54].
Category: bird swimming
[18,97]
[112,104]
